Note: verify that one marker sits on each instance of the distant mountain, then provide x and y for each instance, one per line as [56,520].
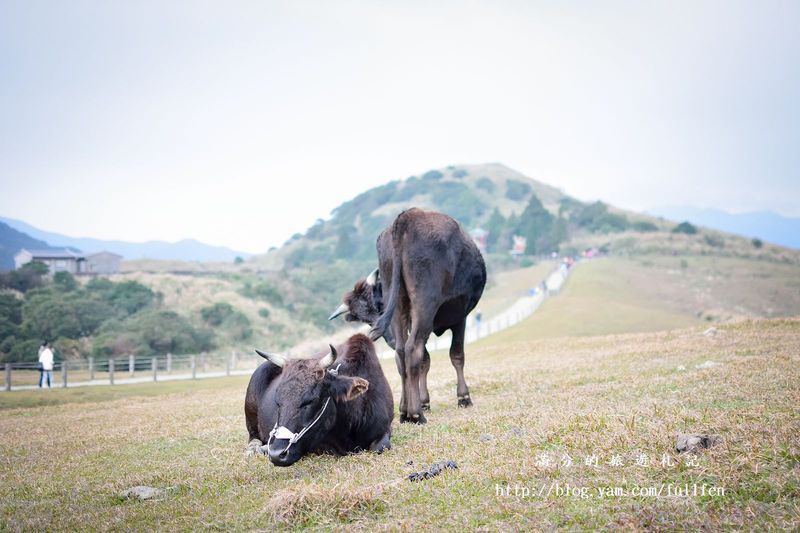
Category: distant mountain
[12,241]
[184,250]
[765,225]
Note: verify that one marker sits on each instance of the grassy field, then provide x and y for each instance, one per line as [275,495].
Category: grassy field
[656,293]
[63,465]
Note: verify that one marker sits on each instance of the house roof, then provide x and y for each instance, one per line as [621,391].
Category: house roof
[57,253]
[103,253]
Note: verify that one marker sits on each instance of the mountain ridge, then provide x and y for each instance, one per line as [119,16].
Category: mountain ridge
[765,225]
[182,250]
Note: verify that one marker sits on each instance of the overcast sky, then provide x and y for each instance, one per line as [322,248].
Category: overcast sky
[241,123]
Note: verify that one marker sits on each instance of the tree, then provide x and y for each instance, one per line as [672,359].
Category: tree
[644,226]
[685,227]
[486,184]
[517,190]
[495,227]
[27,277]
[64,281]
[214,315]
[345,247]
[536,225]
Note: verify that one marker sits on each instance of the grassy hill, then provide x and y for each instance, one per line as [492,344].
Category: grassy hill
[656,293]
[282,298]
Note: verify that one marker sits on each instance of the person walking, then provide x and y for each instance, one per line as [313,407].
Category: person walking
[46,365]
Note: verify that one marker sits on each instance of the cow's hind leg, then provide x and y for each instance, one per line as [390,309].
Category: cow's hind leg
[415,353]
[399,359]
[457,359]
[401,336]
[424,396]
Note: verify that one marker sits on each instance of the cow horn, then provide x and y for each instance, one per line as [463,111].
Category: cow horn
[342,309]
[328,360]
[372,279]
[274,358]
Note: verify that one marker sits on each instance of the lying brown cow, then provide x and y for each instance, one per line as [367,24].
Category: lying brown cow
[332,404]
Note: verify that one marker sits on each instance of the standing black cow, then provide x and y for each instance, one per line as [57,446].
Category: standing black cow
[329,404]
[431,276]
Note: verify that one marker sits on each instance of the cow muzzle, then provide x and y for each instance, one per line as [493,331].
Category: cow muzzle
[281,453]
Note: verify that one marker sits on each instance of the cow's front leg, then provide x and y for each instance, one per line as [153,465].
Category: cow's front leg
[457,359]
[382,444]
[254,447]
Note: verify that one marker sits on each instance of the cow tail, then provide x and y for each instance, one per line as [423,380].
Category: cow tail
[383,322]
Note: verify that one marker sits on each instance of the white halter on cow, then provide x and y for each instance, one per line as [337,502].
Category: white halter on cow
[282,432]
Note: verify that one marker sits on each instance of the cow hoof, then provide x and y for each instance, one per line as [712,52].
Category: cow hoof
[254,447]
[465,401]
[426,407]
[413,419]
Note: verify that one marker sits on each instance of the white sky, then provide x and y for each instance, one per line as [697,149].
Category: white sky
[241,123]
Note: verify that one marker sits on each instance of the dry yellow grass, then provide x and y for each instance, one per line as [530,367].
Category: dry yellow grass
[63,465]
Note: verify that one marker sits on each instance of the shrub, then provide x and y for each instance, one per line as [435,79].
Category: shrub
[432,175]
[596,218]
[460,173]
[756,242]
[25,278]
[569,206]
[238,260]
[20,349]
[264,291]
[644,226]
[214,315]
[263,312]
[458,201]
[486,184]
[345,245]
[64,281]
[10,308]
[151,333]
[517,190]
[714,241]
[685,227]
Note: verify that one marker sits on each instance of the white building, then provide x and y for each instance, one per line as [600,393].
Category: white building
[65,260]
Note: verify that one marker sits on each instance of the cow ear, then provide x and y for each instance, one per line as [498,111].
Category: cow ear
[346,388]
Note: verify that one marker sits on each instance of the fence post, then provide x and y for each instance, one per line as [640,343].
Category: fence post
[203,362]
[169,363]
[233,359]
[91,368]
[64,374]
[131,364]
[8,376]
[227,367]
[111,371]
[154,365]
[193,364]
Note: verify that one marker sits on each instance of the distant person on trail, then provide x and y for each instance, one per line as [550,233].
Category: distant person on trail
[478,318]
[46,365]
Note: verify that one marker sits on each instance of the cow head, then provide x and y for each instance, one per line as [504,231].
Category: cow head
[306,402]
[364,303]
